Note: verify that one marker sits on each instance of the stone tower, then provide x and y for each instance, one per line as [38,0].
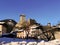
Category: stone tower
[49,24]
[22,19]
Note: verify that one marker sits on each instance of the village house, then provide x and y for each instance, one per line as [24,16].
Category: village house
[3,29]
[8,24]
[34,31]
[52,32]
[20,33]
[56,31]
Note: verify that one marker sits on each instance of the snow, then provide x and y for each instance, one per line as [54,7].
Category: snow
[16,41]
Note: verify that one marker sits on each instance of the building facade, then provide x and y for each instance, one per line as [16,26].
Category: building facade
[3,29]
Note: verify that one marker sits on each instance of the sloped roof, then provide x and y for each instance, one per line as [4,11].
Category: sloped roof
[8,20]
[1,23]
[46,28]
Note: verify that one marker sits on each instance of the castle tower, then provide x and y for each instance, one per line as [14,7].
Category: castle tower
[22,18]
[49,24]
[22,21]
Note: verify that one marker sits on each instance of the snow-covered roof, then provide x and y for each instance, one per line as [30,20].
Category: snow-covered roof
[18,30]
[2,22]
[33,26]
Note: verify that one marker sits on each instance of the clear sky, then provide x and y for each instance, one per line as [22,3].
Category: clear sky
[43,11]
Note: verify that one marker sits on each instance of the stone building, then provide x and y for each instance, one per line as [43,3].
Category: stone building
[48,32]
[3,29]
[9,24]
[31,25]
[21,33]
[22,21]
[34,31]
[23,24]
[52,32]
[56,31]
[31,21]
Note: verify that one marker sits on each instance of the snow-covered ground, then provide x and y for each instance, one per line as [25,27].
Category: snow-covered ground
[14,41]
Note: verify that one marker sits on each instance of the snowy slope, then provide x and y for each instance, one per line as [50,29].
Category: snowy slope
[14,41]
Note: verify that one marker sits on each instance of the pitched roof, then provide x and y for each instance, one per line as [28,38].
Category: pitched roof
[46,28]
[1,23]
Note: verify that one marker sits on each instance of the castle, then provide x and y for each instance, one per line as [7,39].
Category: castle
[30,28]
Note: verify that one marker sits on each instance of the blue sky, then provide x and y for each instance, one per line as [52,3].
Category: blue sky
[43,11]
